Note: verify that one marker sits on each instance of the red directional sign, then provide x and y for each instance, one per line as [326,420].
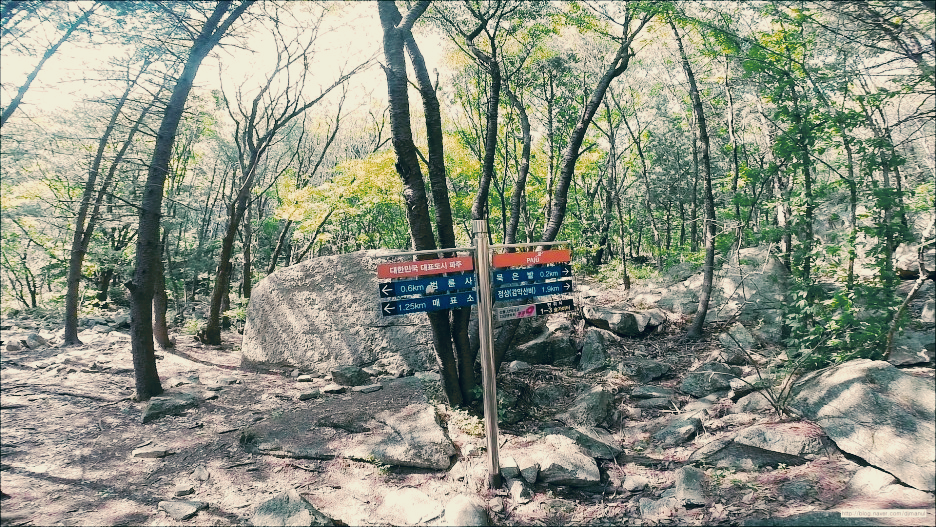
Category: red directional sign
[425,267]
[531,258]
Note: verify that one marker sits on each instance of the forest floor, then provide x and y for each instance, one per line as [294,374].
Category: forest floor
[69,427]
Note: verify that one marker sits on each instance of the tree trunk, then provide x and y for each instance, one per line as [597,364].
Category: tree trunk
[147,249]
[570,156]
[280,242]
[82,236]
[161,304]
[517,197]
[246,284]
[708,267]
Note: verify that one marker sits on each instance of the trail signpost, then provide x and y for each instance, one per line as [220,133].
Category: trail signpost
[416,287]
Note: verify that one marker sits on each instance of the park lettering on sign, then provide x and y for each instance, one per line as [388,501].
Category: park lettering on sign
[531,258]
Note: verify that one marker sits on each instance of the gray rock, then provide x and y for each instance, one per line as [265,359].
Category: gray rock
[568,465]
[868,481]
[13,346]
[755,402]
[798,489]
[350,376]
[467,510]
[520,492]
[35,341]
[334,388]
[151,452]
[497,504]
[635,483]
[122,320]
[201,473]
[928,315]
[103,328]
[289,508]
[595,349]
[182,510]
[746,385]
[913,347]
[590,408]
[554,346]
[179,380]
[548,394]
[529,470]
[795,439]
[689,482]
[738,338]
[863,404]
[310,315]
[679,431]
[509,468]
[314,394]
[624,323]
[367,388]
[183,489]
[660,403]
[643,370]
[517,366]
[304,378]
[414,439]
[174,403]
[652,392]
[596,442]
[661,508]
[708,378]
[812,519]
[408,506]
[727,453]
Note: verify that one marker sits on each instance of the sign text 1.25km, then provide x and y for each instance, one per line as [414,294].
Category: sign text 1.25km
[428,303]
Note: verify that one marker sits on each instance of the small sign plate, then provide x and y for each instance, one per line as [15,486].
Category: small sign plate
[535,274]
[426,286]
[526,291]
[425,267]
[531,258]
[428,303]
[532,310]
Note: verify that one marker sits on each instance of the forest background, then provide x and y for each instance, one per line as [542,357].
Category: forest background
[161,155]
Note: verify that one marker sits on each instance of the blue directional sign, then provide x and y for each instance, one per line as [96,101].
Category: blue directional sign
[428,303]
[526,291]
[427,286]
[535,274]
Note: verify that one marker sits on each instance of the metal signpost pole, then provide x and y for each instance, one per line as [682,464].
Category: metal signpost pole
[482,257]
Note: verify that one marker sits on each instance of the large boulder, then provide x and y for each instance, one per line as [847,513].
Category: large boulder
[554,346]
[624,323]
[864,404]
[751,287]
[325,312]
[595,354]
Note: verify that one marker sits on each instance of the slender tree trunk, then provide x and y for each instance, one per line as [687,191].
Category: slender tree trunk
[280,243]
[708,267]
[82,235]
[617,67]
[161,303]
[142,285]
[517,198]
[248,235]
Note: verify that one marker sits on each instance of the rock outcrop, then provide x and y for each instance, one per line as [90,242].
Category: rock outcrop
[864,404]
[325,312]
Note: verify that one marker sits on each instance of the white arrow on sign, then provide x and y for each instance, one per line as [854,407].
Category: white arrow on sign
[384,289]
[389,308]
[566,286]
[566,271]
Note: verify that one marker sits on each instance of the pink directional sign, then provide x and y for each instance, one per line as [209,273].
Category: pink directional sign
[425,267]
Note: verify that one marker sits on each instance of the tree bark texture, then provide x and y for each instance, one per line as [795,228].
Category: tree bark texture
[142,285]
[708,266]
